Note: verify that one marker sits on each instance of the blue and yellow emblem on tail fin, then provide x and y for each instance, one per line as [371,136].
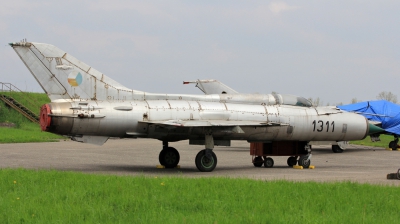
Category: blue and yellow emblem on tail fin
[75,78]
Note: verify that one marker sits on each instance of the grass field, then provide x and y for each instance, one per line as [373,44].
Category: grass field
[24,130]
[27,132]
[65,197]
[33,101]
[384,143]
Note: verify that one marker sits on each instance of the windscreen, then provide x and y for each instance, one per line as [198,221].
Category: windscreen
[295,101]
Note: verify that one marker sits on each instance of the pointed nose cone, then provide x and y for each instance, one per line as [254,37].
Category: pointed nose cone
[372,129]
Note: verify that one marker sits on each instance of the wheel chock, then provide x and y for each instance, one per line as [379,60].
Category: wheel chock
[163,167]
[388,149]
[301,167]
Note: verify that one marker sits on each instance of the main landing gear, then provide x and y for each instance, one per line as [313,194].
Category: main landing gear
[205,161]
[169,157]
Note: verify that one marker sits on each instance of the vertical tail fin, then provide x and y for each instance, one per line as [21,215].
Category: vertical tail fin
[62,76]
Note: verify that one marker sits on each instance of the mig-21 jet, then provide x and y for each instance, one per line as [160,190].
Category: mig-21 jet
[90,107]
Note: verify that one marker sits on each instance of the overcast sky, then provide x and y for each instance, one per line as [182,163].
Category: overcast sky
[334,50]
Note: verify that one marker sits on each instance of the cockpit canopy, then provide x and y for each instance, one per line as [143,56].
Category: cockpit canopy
[292,100]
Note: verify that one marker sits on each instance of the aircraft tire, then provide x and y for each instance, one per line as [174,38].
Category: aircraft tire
[169,157]
[304,162]
[269,162]
[393,145]
[291,161]
[336,149]
[205,164]
[258,161]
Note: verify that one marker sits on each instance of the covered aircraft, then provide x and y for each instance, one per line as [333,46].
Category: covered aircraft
[382,113]
[89,107]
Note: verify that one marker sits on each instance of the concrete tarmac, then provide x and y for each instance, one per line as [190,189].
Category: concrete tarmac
[140,157]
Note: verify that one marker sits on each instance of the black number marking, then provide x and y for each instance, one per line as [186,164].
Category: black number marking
[320,126]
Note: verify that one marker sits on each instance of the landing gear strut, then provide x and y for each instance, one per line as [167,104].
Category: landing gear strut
[169,157]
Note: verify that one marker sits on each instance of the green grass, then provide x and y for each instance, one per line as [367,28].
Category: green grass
[24,130]
[384,142]
[66,197]
[33,101]
[28,132]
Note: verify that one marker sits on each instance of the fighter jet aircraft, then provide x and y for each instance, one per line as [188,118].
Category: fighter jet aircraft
[90,107]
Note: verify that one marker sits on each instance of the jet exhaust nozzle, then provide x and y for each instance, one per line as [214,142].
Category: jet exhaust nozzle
[45,119]
[56,118]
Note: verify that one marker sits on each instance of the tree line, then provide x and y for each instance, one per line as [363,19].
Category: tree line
[384,95]
[388,96]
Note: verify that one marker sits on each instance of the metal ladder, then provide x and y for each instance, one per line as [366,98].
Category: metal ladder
[6,93]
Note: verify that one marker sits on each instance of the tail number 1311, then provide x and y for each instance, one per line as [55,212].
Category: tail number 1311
[320,126]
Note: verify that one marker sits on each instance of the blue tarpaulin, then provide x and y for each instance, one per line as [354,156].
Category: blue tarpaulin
[388,111]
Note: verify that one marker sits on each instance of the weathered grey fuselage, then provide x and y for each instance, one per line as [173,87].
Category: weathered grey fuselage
[141,118]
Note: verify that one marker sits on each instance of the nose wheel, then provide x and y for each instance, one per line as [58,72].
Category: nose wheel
[304,161]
